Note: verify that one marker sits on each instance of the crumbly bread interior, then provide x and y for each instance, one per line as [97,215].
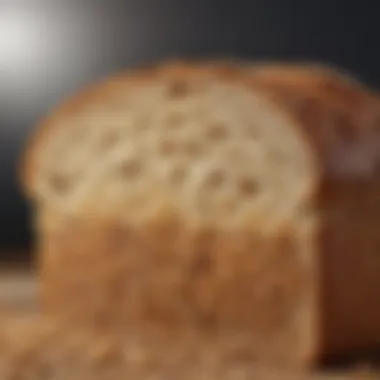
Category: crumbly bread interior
[209,149]
[37,348]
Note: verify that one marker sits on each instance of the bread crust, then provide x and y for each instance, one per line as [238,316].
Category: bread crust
[339,115]
[348,201]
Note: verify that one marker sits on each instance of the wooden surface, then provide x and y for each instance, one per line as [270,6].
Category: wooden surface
[18,290]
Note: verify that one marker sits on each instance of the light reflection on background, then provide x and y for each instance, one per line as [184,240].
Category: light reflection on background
[51,48]
[44,53]
[22,40]
[47,51]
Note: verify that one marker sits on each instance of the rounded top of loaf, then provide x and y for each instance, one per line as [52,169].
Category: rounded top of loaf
[198,140]
[340,114]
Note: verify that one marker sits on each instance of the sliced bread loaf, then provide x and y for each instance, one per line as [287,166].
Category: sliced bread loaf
[200,198]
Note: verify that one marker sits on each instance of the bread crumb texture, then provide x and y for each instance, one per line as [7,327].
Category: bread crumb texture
[36,348]
[201,144]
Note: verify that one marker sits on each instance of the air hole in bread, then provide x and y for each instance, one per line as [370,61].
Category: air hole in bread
[177,175]
[167,147]
[248,187]
[59,183]
[109,140]
[130,169]
[216,131]
[192,148]
[173,120]
[215,179]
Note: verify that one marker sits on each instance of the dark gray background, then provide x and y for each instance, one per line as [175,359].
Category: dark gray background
[49,49]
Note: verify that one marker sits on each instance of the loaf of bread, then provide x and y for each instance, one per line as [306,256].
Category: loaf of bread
[193,199]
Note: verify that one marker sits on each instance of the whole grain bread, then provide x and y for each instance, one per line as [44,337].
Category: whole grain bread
[215,199]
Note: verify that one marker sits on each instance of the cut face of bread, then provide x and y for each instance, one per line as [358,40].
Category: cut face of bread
[206,148]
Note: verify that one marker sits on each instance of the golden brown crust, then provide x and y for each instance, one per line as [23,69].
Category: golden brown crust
[348,243]
[334,109]
[339,114]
